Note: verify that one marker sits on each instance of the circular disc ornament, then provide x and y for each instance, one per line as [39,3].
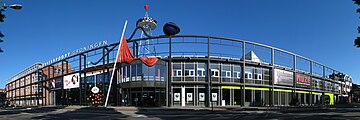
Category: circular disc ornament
[95,90]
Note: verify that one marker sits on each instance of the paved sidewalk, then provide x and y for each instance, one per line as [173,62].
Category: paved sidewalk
[228,109]
[187,108]
[171,113]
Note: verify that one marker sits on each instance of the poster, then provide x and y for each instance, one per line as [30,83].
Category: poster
[214,96]
[71,81]
[201,96]
[56,83]
[176,96]
[316,84]
[283,77]
[52,83]
[189,97]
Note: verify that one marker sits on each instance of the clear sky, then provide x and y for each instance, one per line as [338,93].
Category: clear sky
[322,30]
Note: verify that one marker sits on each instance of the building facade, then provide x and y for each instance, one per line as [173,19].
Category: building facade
[191,71]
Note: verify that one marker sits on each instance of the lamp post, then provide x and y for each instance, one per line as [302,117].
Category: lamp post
[3,6]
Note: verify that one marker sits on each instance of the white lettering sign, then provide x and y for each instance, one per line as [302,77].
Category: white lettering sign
[77,51]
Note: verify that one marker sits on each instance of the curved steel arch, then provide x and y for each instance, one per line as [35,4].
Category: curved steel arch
[210,37]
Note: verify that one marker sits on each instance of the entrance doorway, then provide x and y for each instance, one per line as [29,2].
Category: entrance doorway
[146,97]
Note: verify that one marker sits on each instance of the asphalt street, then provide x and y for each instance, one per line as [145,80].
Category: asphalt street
[115,113]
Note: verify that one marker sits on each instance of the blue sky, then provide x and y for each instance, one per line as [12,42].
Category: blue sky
[322,30]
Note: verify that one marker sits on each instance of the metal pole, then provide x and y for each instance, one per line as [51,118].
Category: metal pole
[208,77]
[103,76]
[85,88]
[323,86]
[38,87]
[169,79]
[31,90]
[47,83]
[311,85]
[62,87]
[79,78]
[294,81]
[272,76]
[25,91]
[113,72]
[107,63]
[243,75]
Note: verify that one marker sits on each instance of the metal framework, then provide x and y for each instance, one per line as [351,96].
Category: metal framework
[170,56]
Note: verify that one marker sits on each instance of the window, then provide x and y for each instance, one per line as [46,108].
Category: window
[187,72]
[248,75]
[249,72]
[238,75]
[177,70]
[228,74]
[178,73]
[201,72]
[191,72]
[214,72]
[258,76]
[189,67]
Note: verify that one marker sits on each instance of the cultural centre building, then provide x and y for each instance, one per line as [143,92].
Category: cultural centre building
[190,70]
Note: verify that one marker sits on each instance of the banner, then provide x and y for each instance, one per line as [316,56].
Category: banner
[189,97]
[71,81]
[201,96]
[214,96]
[176,96]
[283,77]
[303,80]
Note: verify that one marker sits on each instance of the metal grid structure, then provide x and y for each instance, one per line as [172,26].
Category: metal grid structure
[23,89]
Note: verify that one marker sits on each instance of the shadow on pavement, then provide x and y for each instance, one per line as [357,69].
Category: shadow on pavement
[178,113]
[84,113]
[29,110]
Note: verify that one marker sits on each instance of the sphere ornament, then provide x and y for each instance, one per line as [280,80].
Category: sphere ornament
[171,28]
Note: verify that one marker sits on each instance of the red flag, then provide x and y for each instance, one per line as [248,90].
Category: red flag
[124,54]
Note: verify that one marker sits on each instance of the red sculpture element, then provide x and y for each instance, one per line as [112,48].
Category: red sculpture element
[124,53]
[146,7]
[126,56]
[149,61]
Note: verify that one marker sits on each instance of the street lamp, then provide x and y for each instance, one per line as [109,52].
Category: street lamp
[14,6]
[3,6]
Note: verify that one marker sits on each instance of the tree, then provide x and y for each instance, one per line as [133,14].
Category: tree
[3,6]
[357,40]
[2,17]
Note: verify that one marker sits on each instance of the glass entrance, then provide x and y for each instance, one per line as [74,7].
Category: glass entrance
[146,97]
